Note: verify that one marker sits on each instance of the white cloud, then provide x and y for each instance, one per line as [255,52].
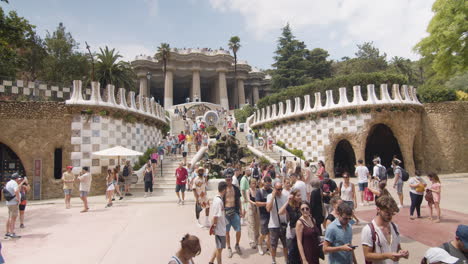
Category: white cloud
[394,26]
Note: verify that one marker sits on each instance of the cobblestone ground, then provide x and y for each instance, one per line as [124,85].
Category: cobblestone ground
[147,230]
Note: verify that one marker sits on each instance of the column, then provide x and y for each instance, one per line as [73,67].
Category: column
[143,86]
[255,94]
[223,96]
[241,92]
[168,90]
[196,92]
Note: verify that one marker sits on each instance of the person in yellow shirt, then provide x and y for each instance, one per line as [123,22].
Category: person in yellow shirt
[189,139]
[68,179]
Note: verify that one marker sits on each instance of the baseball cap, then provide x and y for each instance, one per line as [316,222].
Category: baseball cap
[326,175]
[462,234]
[69,167]
[439,255]
[15,176]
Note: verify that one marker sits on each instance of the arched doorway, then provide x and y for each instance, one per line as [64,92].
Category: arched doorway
[344,158]
[381,142]
[10,163]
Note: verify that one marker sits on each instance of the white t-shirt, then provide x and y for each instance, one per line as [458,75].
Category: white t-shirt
[235,181]
[12,187]
[85,182]
[381,243]
[416,180]
[218,210]
[376,170]
[301,186]
[280,200]
[362,172]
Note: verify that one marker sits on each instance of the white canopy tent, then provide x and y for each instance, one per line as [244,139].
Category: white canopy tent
[118,152]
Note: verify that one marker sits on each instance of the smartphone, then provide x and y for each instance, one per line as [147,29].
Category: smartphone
[353,247]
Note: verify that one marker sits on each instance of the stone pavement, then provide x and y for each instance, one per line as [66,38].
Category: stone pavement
[148,230]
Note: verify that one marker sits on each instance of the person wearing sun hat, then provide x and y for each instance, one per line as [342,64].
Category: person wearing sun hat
[437,255]
[68,179]
[459,247]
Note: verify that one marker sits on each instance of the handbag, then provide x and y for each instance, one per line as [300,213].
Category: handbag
[429,198]
[283,226]
[368,195]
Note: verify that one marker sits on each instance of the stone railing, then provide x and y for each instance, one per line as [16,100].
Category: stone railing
[187,52]
[404,96]
[137,104]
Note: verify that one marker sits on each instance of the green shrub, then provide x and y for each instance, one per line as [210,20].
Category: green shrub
[430,93]
[281,144]
[142,160]
[298,153]
[348,81]
[268,125]
[241,115]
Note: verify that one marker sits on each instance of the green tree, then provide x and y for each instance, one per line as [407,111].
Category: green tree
[234,45]
[448,37]
[34,56]
[164,54]
[290,61]
[109,70]
[368,59]
[64,63]
[405,67]
[15,38]
[318,66]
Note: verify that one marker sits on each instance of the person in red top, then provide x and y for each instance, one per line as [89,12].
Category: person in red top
[181,180]
[181,138]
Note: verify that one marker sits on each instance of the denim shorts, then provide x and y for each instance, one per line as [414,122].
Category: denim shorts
[234,221]
[67,191]
[83,193]
[220,241]
[180,187]
[362,186]
[400,187]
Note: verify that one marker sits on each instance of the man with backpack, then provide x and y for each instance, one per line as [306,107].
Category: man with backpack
[400,177]
[380,238]
[127,174]
[11,193]
[256,172]
[379,171]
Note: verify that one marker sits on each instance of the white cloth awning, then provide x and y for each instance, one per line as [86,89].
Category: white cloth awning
[117,151]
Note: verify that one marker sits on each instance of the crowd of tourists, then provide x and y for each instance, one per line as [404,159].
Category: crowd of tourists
[310,214]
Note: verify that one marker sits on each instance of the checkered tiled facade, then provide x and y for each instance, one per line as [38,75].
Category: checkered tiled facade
[311,136]
[100,133]
[20,87]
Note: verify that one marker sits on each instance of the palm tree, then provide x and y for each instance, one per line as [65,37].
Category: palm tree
[164,53]
[111,70]
[234,45]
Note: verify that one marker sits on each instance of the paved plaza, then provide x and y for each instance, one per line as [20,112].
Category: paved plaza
[148,230]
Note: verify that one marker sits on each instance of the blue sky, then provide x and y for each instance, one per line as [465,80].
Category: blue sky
[139,26]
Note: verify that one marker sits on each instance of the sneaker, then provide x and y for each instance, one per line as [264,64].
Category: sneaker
[13,235]
[22,226]
[229,253]
[121,197]
[7,236]
[199,225]
[178,202]
[267,252]
[182,202]
[400,206]
[238,249]
[129,194]
[113,199]
[260,251]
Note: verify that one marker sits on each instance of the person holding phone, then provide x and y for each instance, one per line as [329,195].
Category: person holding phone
[338,237]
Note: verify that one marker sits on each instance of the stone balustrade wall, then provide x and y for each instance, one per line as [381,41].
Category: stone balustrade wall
[404,95]
[129,102]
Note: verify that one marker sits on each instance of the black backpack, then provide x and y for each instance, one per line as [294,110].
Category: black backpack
[256,173]
[382,173]
[7,194]
[125,171]
[404,175]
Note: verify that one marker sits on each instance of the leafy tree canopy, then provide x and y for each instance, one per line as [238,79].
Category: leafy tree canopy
[448,37]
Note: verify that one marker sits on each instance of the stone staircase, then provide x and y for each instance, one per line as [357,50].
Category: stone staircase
[164,181]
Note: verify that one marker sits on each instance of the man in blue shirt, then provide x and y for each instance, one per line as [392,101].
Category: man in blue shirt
[338,237]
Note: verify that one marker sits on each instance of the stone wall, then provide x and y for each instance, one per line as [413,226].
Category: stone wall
[444,138]
[33,130]
[318,138]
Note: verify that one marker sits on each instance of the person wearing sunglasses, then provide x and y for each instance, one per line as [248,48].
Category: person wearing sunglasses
[381,238]
[293,211]
[189,248]
[308,236]
[338,237]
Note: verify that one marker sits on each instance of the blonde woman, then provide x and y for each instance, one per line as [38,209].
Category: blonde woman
[253,217]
